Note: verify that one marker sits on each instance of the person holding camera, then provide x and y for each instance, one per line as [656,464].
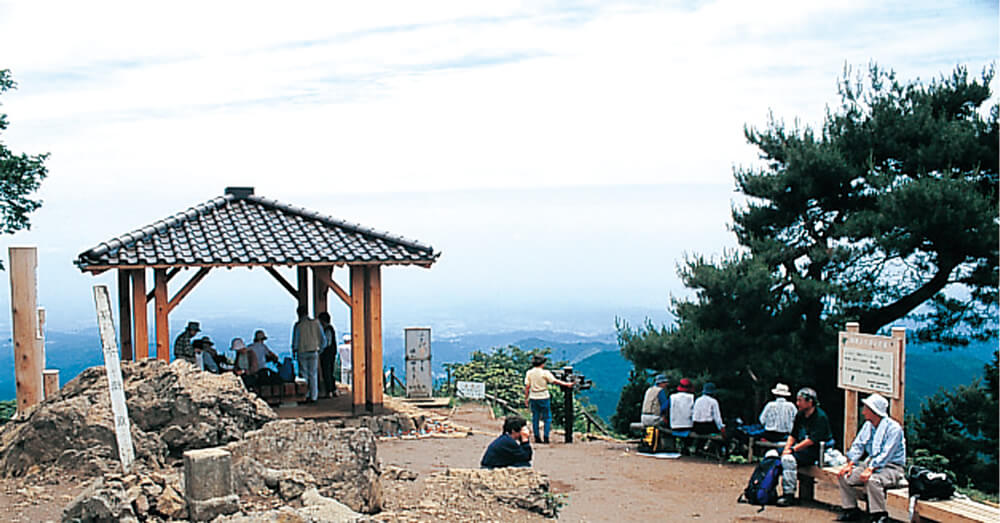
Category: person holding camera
[510,449]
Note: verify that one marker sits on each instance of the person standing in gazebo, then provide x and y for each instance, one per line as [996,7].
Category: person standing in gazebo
[328,356]
[307,338]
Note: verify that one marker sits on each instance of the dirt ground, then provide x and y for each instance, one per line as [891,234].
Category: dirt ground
[606,481]
[601,481]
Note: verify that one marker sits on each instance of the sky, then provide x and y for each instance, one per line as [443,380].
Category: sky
[563,157]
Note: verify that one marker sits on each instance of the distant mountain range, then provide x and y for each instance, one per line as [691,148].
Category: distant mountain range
[597,357]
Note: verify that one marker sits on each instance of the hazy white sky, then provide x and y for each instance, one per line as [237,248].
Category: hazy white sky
[563,156]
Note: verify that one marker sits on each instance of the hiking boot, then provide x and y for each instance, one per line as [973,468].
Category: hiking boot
[881,517]
[786,501]
[545,441]
[853,514]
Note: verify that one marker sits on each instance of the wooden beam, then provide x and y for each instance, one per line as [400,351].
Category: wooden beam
[851,402]
[284,283]
[140,327]
[373,337]
[897,406]
[358,339]
[28,363]
[170,274]
[302,295]
[162,315]
[125,314]
[337,289]
[320,289]
[50,378]
[187,288]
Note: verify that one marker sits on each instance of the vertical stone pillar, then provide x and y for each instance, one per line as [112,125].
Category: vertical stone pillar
[208,484]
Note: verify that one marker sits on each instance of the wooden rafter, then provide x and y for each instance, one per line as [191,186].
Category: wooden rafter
[187,288]
[281,279]
[337,289]
[170,274]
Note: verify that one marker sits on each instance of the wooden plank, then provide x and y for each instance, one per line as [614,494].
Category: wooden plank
[125,314]
[162,308]
[897,407]
[337,289]
[320,289]
[281,279]
[302,294]
[140,326]
[50,378]
[373,337]
[28,364]
[358,341]
[170,274]
[187,288]
[113,371]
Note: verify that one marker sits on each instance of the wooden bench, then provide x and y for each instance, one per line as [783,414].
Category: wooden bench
[638,428]
[953,510]
[762,444]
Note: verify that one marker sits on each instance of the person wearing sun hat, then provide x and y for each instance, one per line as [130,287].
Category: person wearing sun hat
[536,395]
[183,348]
[706,414]
[656,404]
[881,438]
[682,406]
[778,415]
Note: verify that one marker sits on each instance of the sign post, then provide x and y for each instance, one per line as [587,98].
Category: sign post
[113,369]
[870,363]
[473,390]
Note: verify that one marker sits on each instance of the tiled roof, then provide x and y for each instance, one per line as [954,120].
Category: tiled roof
[241,229]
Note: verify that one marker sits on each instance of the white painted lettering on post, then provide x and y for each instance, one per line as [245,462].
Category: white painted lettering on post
[113,369]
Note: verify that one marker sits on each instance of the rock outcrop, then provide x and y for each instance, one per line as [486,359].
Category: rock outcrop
[290,456]
[172,408]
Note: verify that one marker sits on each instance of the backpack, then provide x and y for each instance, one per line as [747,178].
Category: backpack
[286,371]
[762,489]
[925,484]
[651,442]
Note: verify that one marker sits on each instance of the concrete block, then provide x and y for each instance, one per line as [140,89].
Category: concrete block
[207,474]
[209,509]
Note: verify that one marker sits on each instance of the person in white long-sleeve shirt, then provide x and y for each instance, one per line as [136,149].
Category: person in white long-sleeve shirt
[681,403]
[706,414]
[778,415]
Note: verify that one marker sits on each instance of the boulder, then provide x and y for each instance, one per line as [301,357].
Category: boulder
[340,462]
[172,408]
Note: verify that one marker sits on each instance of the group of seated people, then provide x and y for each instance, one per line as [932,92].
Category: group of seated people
[247,361]
[680,412]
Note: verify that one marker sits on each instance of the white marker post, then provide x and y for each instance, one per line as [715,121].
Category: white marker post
[113,367]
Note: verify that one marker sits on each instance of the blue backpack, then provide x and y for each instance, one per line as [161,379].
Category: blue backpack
[762,489]
[286,371]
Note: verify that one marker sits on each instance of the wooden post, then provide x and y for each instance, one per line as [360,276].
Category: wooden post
[358,338]
[897,405]
[40,336]
[320,289]
[569,416]
[851,402]
[140,325]
[125,314]
[373,337]
[50,378]
[162,308]
[28,363]
[303,290]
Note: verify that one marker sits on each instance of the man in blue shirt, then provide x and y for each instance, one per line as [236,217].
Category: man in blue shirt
[656,405]
[510,449]
[881,439]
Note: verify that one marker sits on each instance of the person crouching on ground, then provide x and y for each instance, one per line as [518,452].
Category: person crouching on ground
[656,405]
[510,449]
[536,395]
[881,439]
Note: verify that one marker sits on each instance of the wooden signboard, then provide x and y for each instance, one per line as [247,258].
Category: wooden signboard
[868,363]
[116,386]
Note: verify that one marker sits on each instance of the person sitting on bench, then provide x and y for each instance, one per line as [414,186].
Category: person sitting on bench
[681,406]
[705,414]
[656,405]
[778,415]
[882,440]
[810,428]
[510,449]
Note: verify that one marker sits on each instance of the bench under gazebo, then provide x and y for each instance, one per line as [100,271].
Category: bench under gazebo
[241,229]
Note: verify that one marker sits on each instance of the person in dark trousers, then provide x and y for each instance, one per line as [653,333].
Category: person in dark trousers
[810,428]
[510,449]
[328,356]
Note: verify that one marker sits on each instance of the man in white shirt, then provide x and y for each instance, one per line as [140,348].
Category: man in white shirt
[307,339]
[778,415]
[261,351]
[536,395]
[706,414]
[681,407]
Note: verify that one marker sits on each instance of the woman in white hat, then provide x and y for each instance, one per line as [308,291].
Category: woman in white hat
[778,415]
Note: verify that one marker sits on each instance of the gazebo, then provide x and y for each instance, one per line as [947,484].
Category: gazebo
[241,229]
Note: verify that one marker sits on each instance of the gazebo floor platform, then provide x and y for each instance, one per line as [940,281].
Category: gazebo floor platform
[340,406]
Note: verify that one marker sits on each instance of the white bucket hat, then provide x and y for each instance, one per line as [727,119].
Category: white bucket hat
[877,404]
[781,390]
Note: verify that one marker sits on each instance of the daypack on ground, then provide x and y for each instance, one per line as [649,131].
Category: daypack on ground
[651,441]
[762,489]
[926,484]
[286,371]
